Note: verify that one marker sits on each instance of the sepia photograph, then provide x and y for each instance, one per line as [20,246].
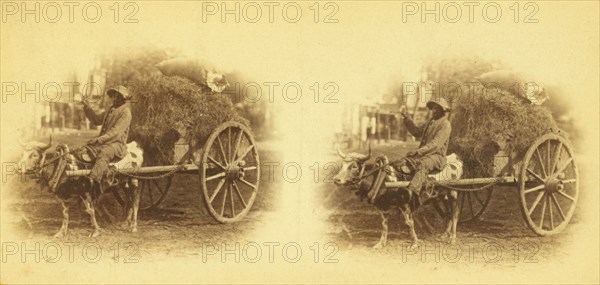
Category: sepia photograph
[299,142]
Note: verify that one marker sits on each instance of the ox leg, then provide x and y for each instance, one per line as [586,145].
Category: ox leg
[455,215]
[385,216]
[128,206]
[89,208]
[64,229]
[448,218]
[451,217]
[346,229]
[410,222]
[135,205]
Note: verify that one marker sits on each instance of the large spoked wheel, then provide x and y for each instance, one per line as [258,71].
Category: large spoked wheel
[549,185]
[230,172]
[471,204]
[153,191]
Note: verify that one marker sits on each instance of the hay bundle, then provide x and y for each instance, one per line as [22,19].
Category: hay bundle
[165,107]
[486,119]
[517,84]
[195,70]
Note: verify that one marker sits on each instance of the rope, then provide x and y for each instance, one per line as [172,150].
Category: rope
[74,159]
[372,172]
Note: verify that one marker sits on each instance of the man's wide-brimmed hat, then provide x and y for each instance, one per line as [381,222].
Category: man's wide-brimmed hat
[121,90]
[440,102]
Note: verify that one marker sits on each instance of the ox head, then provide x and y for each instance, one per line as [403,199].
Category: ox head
[352,166]
[32,155]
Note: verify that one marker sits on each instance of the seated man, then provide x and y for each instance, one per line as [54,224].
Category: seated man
[431,154]
[112,141]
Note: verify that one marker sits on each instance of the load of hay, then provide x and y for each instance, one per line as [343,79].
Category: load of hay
[200,72]
[169,107]
[486,120]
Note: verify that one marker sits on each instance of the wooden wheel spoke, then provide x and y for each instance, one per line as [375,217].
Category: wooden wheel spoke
[248,183]
[246,151]
[478,198]
[534,189]
[560,211]
[142,190]
[471,206]
[229,144]
[543,210]
[224,200]
[440,208]
[231,200]
[562,168]
[219,175]
[536,202]
[250,168]
[237,144]
[150,193]
[550,212]
[239,194]
[566,195]
[462,202]
[541,163]
[548,155]
[214,194]
[155,181]
[556,157]
[222,151]
[537,176]
[566,181]
[216,162]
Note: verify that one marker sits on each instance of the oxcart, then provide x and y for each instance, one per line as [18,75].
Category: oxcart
[546,178]
[227,165]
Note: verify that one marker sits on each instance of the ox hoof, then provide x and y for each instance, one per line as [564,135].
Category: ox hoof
[444,236]
[60,234]
[379,245]
[133,229]
[452,240]
[415,245]
[95,233]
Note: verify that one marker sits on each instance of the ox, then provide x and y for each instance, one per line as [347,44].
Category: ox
[355,173]
[50,167]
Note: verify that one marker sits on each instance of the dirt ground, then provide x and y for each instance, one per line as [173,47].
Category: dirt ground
[181,224]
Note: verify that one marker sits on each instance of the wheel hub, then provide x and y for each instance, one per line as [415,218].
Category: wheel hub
[554,185]
[235,170]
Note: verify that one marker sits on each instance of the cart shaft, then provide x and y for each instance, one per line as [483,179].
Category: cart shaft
[459,182]
[140,170]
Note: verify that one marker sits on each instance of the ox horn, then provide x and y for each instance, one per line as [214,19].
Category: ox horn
[44,148]
[340,153]
[368,155]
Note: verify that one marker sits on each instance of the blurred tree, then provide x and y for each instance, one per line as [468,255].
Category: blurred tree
[458,69]
[125,66]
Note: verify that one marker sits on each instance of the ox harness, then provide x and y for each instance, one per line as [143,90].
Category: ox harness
[405,167]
